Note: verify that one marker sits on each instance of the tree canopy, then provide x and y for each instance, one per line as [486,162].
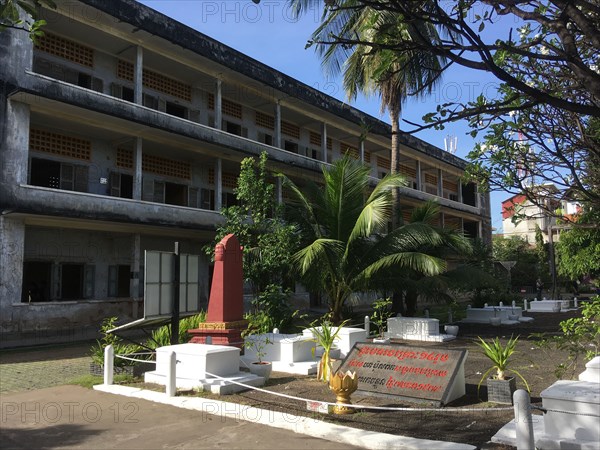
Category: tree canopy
[22,15]
[541,124]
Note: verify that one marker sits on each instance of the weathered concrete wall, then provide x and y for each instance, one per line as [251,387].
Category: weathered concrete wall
[12,240]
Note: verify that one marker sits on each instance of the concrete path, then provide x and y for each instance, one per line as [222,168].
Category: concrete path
[75,417]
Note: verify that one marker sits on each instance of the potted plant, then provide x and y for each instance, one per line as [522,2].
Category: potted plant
[258,342]
[121,366]
[382,311]
[324,335]
[500,387]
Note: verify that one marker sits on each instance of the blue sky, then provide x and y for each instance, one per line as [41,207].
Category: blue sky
[269,33]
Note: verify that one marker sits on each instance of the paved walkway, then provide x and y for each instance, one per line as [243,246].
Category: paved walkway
[28,369]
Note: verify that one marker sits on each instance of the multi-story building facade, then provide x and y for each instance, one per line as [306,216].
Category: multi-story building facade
[123,130]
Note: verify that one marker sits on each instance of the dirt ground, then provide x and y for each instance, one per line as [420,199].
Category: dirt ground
[471,427]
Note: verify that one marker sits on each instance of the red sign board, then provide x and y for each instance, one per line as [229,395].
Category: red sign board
[417,373]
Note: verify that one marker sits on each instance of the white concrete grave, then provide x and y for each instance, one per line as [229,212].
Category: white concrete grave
[549,305]
[290,353]
[572,416]
[504,315]
[416,329]
[345,339]
[194,364]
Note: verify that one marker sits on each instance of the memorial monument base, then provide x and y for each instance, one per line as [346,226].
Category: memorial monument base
[221,333]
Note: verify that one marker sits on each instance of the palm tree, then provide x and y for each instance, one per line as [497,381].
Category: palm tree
[345,245]
[374,69]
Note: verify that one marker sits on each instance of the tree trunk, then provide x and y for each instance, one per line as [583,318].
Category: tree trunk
[398,303]
[395,161]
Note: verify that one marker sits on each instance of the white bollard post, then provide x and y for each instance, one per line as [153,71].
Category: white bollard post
[427,313]
[575,304]
[275,330]
[485,305]
[501,304]
[109,363]
[450,317]
[469,306]
[172,375]
[514,304]
[367,325]
[523,420]
[525,305]
[208,340]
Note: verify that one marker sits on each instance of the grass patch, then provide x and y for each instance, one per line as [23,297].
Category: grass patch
[88,381]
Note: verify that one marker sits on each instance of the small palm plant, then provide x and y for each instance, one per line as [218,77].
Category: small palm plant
[325,334]
[501,357]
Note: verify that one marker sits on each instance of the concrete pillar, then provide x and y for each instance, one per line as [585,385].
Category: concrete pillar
[523,420]
[324,142]
[368,325]
[418,175]
[219,105]
[218,184]
[15,63]
[14,157]
[137,169]
[277,137]
[442,220]
[134,282]
[139,76]
[109,361]
[279,190]
[460,196]
[440,186]
[12,248]
[171,388]
[361,150]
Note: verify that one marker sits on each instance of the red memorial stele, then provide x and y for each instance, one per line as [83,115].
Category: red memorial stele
[225,317]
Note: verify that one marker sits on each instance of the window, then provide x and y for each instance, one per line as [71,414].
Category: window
[58,175]
[176,110]
[176,194]
[118,281]
[290,146]
[265,138]
[207,199]
[76,281]
[127,94]
[36,281]
[121,185]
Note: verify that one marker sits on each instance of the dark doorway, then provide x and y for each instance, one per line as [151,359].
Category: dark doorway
[123,281]
[36,281]
[72,281]
[45,173]
[175,194]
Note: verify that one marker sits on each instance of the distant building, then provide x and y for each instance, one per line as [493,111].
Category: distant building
[123,131]
[520,216]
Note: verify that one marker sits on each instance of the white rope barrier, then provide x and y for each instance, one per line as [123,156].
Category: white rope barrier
[379,408]
[135,360]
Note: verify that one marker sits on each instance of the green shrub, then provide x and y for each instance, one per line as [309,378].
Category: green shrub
[119,347]
[270,310]
[161,337]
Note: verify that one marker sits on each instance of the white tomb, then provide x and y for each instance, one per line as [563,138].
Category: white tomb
[345,339]
[572,414]
[196,365]
[549,305]
[416,329]
[290,353]
[496,315]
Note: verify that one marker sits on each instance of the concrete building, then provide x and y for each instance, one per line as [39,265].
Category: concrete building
[123,130]
[521,217]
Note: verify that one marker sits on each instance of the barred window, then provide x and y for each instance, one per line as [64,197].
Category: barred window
[430,179]
[124,158]
[166,167]
[407,170]
[65,48]
[290,129]
[265,121]
[232,109]
[384,163]
[156,81]
[315,138]
[59,144]
[346,149]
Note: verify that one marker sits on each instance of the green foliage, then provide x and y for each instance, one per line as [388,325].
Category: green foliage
[324,335]
[10,16]
[542,254]
[346,247]
[258,343]
[270,310]
[119,347]
[517,249]
[580,337]
[578,250]
[382,311]
[500,356]
[268,241]
[162,336]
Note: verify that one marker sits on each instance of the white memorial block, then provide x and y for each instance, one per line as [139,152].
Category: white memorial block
[345,339]
[592,371]
[496,315]
[416,329]
[549,305]
[572,406]
[196,365]
[290,353]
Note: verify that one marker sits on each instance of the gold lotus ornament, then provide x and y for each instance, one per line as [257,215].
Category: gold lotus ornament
[343,385]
